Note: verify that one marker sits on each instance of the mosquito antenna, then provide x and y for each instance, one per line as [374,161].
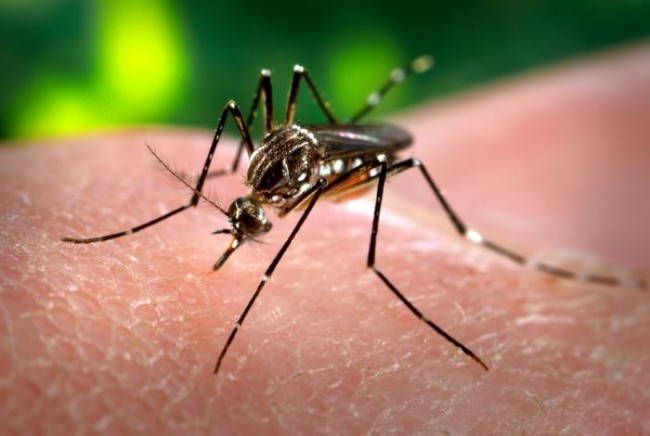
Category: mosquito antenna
[185,182]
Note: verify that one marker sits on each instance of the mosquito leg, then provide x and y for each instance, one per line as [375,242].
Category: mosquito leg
[264,92]
[391,286]
[126,232]
[477,238]
[419,65]
[316,191]
[370,168]
[231,108]
[299,72]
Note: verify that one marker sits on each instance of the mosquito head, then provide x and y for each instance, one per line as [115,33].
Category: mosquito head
[247,221]
[247,218]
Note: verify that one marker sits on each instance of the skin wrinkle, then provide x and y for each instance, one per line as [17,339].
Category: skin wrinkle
[344,330]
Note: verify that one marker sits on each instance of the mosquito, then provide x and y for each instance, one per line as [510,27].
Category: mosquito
[294,166]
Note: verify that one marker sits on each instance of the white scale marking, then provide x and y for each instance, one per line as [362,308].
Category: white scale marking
[474,236]
[373,99]
[398,75]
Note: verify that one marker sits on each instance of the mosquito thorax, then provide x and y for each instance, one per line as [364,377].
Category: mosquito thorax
[284,165]
[247,218]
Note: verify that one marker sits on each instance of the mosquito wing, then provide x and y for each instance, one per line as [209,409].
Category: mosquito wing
[342,141]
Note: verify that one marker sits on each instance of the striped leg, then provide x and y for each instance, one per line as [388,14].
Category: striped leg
[232,109]
[417,66]
[264,92]
[477,238]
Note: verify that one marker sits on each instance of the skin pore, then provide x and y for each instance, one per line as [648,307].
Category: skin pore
[122,336]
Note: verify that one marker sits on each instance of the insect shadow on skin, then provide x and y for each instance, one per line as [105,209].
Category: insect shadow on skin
[294,166]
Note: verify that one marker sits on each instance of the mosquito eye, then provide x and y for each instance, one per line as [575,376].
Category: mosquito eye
[249,222]
[251,218]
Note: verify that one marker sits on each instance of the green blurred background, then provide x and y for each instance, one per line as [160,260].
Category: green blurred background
[75,66]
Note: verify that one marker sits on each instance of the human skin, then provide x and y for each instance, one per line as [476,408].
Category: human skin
[122,336]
